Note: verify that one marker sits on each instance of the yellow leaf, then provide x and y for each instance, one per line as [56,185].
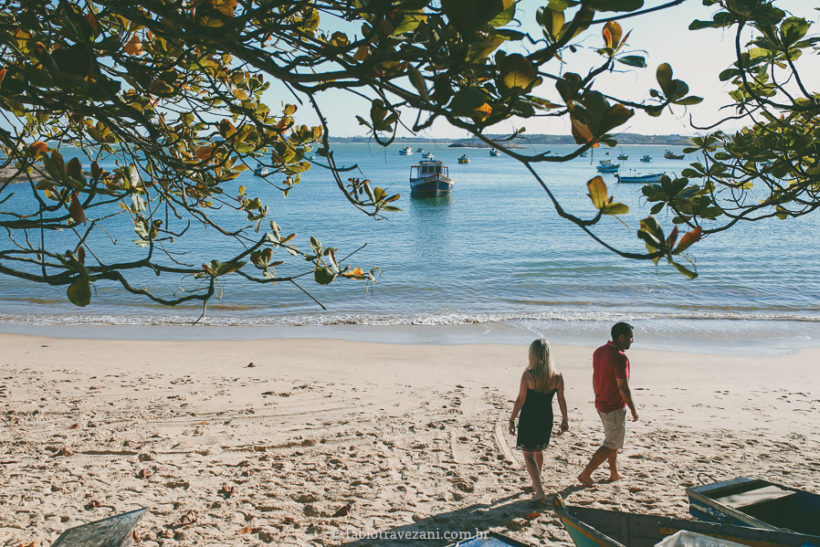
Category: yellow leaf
[134,46]
[688,239]
[362,53]
[355,272]
[482,112]
[581,131]
[612,33]
[598,192]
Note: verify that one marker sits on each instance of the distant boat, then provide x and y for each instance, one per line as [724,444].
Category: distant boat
[261,171]
[622,156]
[583,154]
[464,159]
[430,178]
[634,177]
[590,527]
[419,149]
[406,151]
[606,166]
[672,156]
[758,503]
[428,156]
[494,152]
[646,158]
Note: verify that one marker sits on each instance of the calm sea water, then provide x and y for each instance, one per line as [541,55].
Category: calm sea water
[492,262]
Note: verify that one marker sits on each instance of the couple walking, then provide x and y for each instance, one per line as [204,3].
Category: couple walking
[540,382]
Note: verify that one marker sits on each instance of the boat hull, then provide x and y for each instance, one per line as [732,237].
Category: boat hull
[639,179]
[757,503]
[613,169]
[431,187]
[601,528]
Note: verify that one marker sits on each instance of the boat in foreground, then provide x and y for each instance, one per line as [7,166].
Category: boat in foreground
[602,528]
[488,539]
[430,178]
[759,503]
[634,178]
[606,166]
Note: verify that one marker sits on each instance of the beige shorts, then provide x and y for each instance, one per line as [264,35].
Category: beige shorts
[614,427]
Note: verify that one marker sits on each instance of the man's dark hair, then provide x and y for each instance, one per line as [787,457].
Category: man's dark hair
[619,329]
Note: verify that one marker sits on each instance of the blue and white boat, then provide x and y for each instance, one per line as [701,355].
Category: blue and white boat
[646,158]
[606,166]
[430,178]
[406,151]
[632,177]
[494,152]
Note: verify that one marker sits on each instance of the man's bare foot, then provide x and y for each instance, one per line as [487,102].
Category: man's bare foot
[585,480]
[615,477]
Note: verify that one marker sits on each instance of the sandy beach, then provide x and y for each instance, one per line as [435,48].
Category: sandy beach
[328,442]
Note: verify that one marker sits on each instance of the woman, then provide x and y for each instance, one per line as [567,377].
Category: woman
[539,383]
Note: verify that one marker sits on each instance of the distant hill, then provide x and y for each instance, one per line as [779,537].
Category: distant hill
[623,138]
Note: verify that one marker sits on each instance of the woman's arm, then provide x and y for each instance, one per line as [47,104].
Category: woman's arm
[519,401]
[562,403]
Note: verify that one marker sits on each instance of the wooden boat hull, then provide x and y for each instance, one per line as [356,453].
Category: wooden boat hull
[757,503]
[431,187]
[601,528]
[611,169]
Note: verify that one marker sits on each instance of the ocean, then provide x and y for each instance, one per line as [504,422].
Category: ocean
[493,263]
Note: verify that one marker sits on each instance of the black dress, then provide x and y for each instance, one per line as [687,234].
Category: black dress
[535,421]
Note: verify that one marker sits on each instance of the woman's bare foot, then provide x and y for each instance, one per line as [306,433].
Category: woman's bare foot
[614,477]
[539,497]
[585,480]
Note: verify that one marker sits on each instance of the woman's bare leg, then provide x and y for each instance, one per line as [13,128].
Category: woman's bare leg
[535,473]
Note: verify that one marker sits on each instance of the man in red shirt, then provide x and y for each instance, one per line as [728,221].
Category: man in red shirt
[610,381]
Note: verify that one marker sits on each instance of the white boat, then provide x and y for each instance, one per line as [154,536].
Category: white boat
[406,151]
[261,171]
[428,156]
[493,151]
[636,178]
[429,179]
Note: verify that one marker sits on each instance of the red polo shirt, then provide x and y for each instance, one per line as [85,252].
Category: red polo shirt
[608,364]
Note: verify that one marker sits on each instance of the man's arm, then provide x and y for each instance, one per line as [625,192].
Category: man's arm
[626,395]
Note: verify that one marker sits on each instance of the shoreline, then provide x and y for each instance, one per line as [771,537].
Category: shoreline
[714,337]
[323,442]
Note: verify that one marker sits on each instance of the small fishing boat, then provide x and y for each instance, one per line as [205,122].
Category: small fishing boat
[646,158]
[758,503]
[632,177]
[428,156]
[494,152]
[672,156]
[583,154]
[606,166]
[623,156]
[420,150]
[602,528]
[430,178]
[464,159]
[406,151]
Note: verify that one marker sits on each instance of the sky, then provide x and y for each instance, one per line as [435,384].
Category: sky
[697,57]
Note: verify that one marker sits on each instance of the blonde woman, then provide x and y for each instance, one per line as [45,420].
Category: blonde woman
[539,383]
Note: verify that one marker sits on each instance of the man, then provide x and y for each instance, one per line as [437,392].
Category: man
[610,381]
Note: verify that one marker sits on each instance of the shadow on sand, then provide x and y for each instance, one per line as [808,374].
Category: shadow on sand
[447,528]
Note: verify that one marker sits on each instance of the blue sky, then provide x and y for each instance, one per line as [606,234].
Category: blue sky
[697,57]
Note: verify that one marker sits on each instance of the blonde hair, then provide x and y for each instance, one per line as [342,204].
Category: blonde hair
[540,365]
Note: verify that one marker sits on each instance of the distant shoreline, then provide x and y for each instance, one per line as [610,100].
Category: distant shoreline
[623,140]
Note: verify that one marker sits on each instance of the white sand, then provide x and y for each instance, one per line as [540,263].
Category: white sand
[322,442]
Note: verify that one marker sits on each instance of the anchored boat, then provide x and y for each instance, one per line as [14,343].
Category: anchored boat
[633,177]
[606,166]
[646,158]
[464,159]
[672,156]
[406,151]
[430,178]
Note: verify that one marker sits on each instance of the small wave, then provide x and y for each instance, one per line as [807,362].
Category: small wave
[386,319]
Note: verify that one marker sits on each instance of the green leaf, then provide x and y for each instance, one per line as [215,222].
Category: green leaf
[685,271]
[632,60]
[323,275]
[79,292]
[616,209]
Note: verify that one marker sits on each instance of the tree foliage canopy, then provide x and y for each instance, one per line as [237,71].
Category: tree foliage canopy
[173,94]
